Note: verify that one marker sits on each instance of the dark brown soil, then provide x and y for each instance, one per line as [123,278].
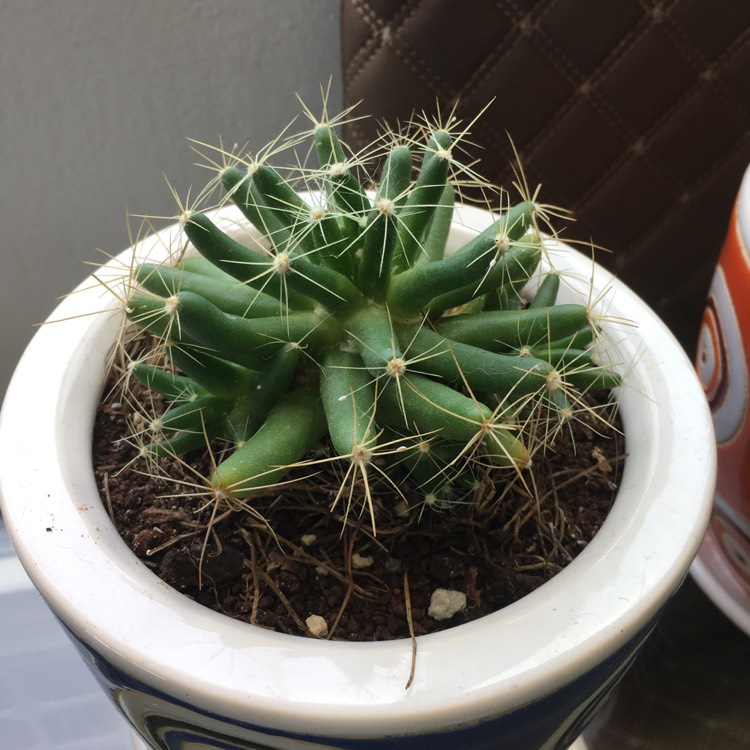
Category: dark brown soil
[505,546]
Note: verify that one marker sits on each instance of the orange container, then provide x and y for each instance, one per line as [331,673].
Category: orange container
[722,568]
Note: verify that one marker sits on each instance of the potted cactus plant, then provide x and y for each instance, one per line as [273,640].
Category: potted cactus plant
[319,323]
[338,327]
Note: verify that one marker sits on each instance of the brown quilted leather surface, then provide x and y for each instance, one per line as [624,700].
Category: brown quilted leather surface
[633,114]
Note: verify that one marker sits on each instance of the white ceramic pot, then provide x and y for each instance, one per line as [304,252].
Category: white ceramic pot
[526,677]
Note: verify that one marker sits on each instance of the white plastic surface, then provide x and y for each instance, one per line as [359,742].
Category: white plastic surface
[48,699]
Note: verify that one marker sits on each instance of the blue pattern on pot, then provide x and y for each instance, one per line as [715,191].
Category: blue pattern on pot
[552,723]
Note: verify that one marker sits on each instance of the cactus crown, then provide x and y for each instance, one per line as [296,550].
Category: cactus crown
[346,318]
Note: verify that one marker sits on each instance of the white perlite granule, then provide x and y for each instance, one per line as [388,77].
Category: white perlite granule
[445,603]
[317,626]
[360,562]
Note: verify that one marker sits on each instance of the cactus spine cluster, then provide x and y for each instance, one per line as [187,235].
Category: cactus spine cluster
[349,322]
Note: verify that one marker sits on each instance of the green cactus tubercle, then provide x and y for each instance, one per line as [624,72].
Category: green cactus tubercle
[351,323]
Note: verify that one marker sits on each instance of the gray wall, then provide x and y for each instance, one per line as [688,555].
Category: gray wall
[98,97]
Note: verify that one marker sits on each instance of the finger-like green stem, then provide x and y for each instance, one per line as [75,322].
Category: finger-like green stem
[505,330]
[467,365]
[166,383]
[228,295]
[411,291]
[240,188]
[270,384]
[546,295]
[258,270]
[381,234]
[194,414]
[347,392]
[212,373]
[342,188]
[289,432]
[419,207]
[438,231]
[511,271]
[252,342]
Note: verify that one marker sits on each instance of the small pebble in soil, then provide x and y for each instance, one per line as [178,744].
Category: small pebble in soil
[317,626]
[444,603]
[360,562]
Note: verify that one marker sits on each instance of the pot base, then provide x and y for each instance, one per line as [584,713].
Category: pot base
[139,744]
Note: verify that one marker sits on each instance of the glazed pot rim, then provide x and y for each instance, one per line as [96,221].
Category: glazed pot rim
[110,600]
